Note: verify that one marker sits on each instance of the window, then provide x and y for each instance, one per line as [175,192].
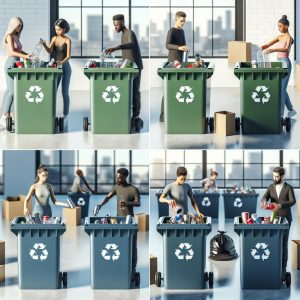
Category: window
[210,24]
[99,168]
[1,173]
[92,26]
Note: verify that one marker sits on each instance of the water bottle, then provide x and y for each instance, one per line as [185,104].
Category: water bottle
[260,59]
[121,201]
[101,57]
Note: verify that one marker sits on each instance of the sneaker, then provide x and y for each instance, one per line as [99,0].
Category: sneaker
[291,113]
[3,122]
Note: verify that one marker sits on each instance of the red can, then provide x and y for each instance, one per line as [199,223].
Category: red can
[45,219]
[19,64]
[250,221]
[245,217]
[270,206]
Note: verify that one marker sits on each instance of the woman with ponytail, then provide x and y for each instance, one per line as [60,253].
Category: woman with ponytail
[42,191]
[283,43]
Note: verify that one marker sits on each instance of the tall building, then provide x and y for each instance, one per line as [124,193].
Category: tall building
[94,23]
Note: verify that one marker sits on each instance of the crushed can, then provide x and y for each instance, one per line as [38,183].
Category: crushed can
[129,219]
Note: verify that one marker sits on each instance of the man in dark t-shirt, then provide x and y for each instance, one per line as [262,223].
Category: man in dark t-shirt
[176,45]
[128,196]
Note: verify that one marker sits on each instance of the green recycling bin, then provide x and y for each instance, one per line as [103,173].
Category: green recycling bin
[236,203]
[111,99]
[111,253]
[208,203]
[184,255]
[35,100]
[260,102]
[185,97]
[260,254]
[39,254]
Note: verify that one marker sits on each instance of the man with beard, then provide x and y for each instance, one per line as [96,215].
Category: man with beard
[281,194]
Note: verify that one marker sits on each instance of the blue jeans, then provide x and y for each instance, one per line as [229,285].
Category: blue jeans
[8,98]
[285,98]
[65,84]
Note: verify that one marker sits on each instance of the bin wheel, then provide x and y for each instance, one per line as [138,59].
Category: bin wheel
[237,124]
[288,124]
[60,280]
[65,279]
[211,280]
[56,124]
[137,279]
[211,125]
[9,123]
[288,279]
[139,124]
[86,123]
[157,279]
[205,276]
[61,124]
[206,125]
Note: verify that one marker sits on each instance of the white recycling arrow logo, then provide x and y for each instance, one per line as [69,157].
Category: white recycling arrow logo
[38,248]
[206,201]
[261,94]
[185,94]
[34,94]
[261,251]
[81,201]
[184,251]
[238,202]
[111,252]
[111,94]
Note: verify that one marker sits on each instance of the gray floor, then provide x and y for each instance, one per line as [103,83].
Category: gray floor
[221,99]
[75,137]
[75,259]
[226,274]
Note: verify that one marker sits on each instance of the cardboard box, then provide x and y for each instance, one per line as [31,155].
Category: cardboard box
[239,51]
[72,216]
[14,207]
[225,123]
[143,221]
[2,273]
[153,268]
[2,252]
[296,254]
[297,77]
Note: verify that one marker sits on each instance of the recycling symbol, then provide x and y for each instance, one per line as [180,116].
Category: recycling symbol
[81,201]
[261,94]
[111,94]
[238,202]
[39,251]
[261,251]
[34,94]
[184,251]
[206,201]
[111,252]
[185,94]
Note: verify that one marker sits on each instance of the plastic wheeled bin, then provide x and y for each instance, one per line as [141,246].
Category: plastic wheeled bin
[35,100]
[261,254]
[111,254]
[82,200]
[236,203]
[184,255]
[185,99]
[208,203]
[260,102]
[111,99]
[163,208]
[39,254]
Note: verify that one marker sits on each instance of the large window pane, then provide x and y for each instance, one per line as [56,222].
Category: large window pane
[105,157]
[182,3]
[106,175]
[140,157]
[91,3]
[157,156]
[49,157]
[122,157]
[86,157]
[140,3]
[175,156]
[115,3]
[69,2]
[68,157]
[290,156]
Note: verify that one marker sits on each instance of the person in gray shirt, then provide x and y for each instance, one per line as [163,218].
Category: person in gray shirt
[179,192]
[131,51]
[176,45]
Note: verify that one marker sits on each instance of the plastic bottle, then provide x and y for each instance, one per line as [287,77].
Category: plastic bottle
[260,59]
[121,201]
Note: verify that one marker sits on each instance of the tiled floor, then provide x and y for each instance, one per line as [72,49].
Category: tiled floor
[226,274]
[75,259]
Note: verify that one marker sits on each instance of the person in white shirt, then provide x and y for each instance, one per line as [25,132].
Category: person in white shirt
[80,185]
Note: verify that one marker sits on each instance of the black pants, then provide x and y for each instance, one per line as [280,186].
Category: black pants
[134,251]
[136,96]
[285,241]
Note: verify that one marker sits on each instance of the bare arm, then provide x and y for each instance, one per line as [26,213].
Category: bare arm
[50,48]
[194,204]
[28,198]
[55,202]
[107,198]
[68,42]
[283,49]
[10,45]
[170,202]
[271,43]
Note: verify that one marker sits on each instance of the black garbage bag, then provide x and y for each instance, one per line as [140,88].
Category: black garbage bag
[222,247]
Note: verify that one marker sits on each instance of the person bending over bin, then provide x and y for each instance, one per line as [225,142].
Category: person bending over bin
[80,185]
[131,51]
[282,195]
[42,191]
[179,192]
[209,183]
[128,197]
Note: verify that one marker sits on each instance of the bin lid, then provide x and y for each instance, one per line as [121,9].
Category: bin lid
[274,67]
[130,71]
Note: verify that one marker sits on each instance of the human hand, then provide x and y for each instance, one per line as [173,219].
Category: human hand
[263,204]
[25,211]
[263,47]
[110,50]
[172,203]
[269,51]
[183,48]
[123,204]
[277,206]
